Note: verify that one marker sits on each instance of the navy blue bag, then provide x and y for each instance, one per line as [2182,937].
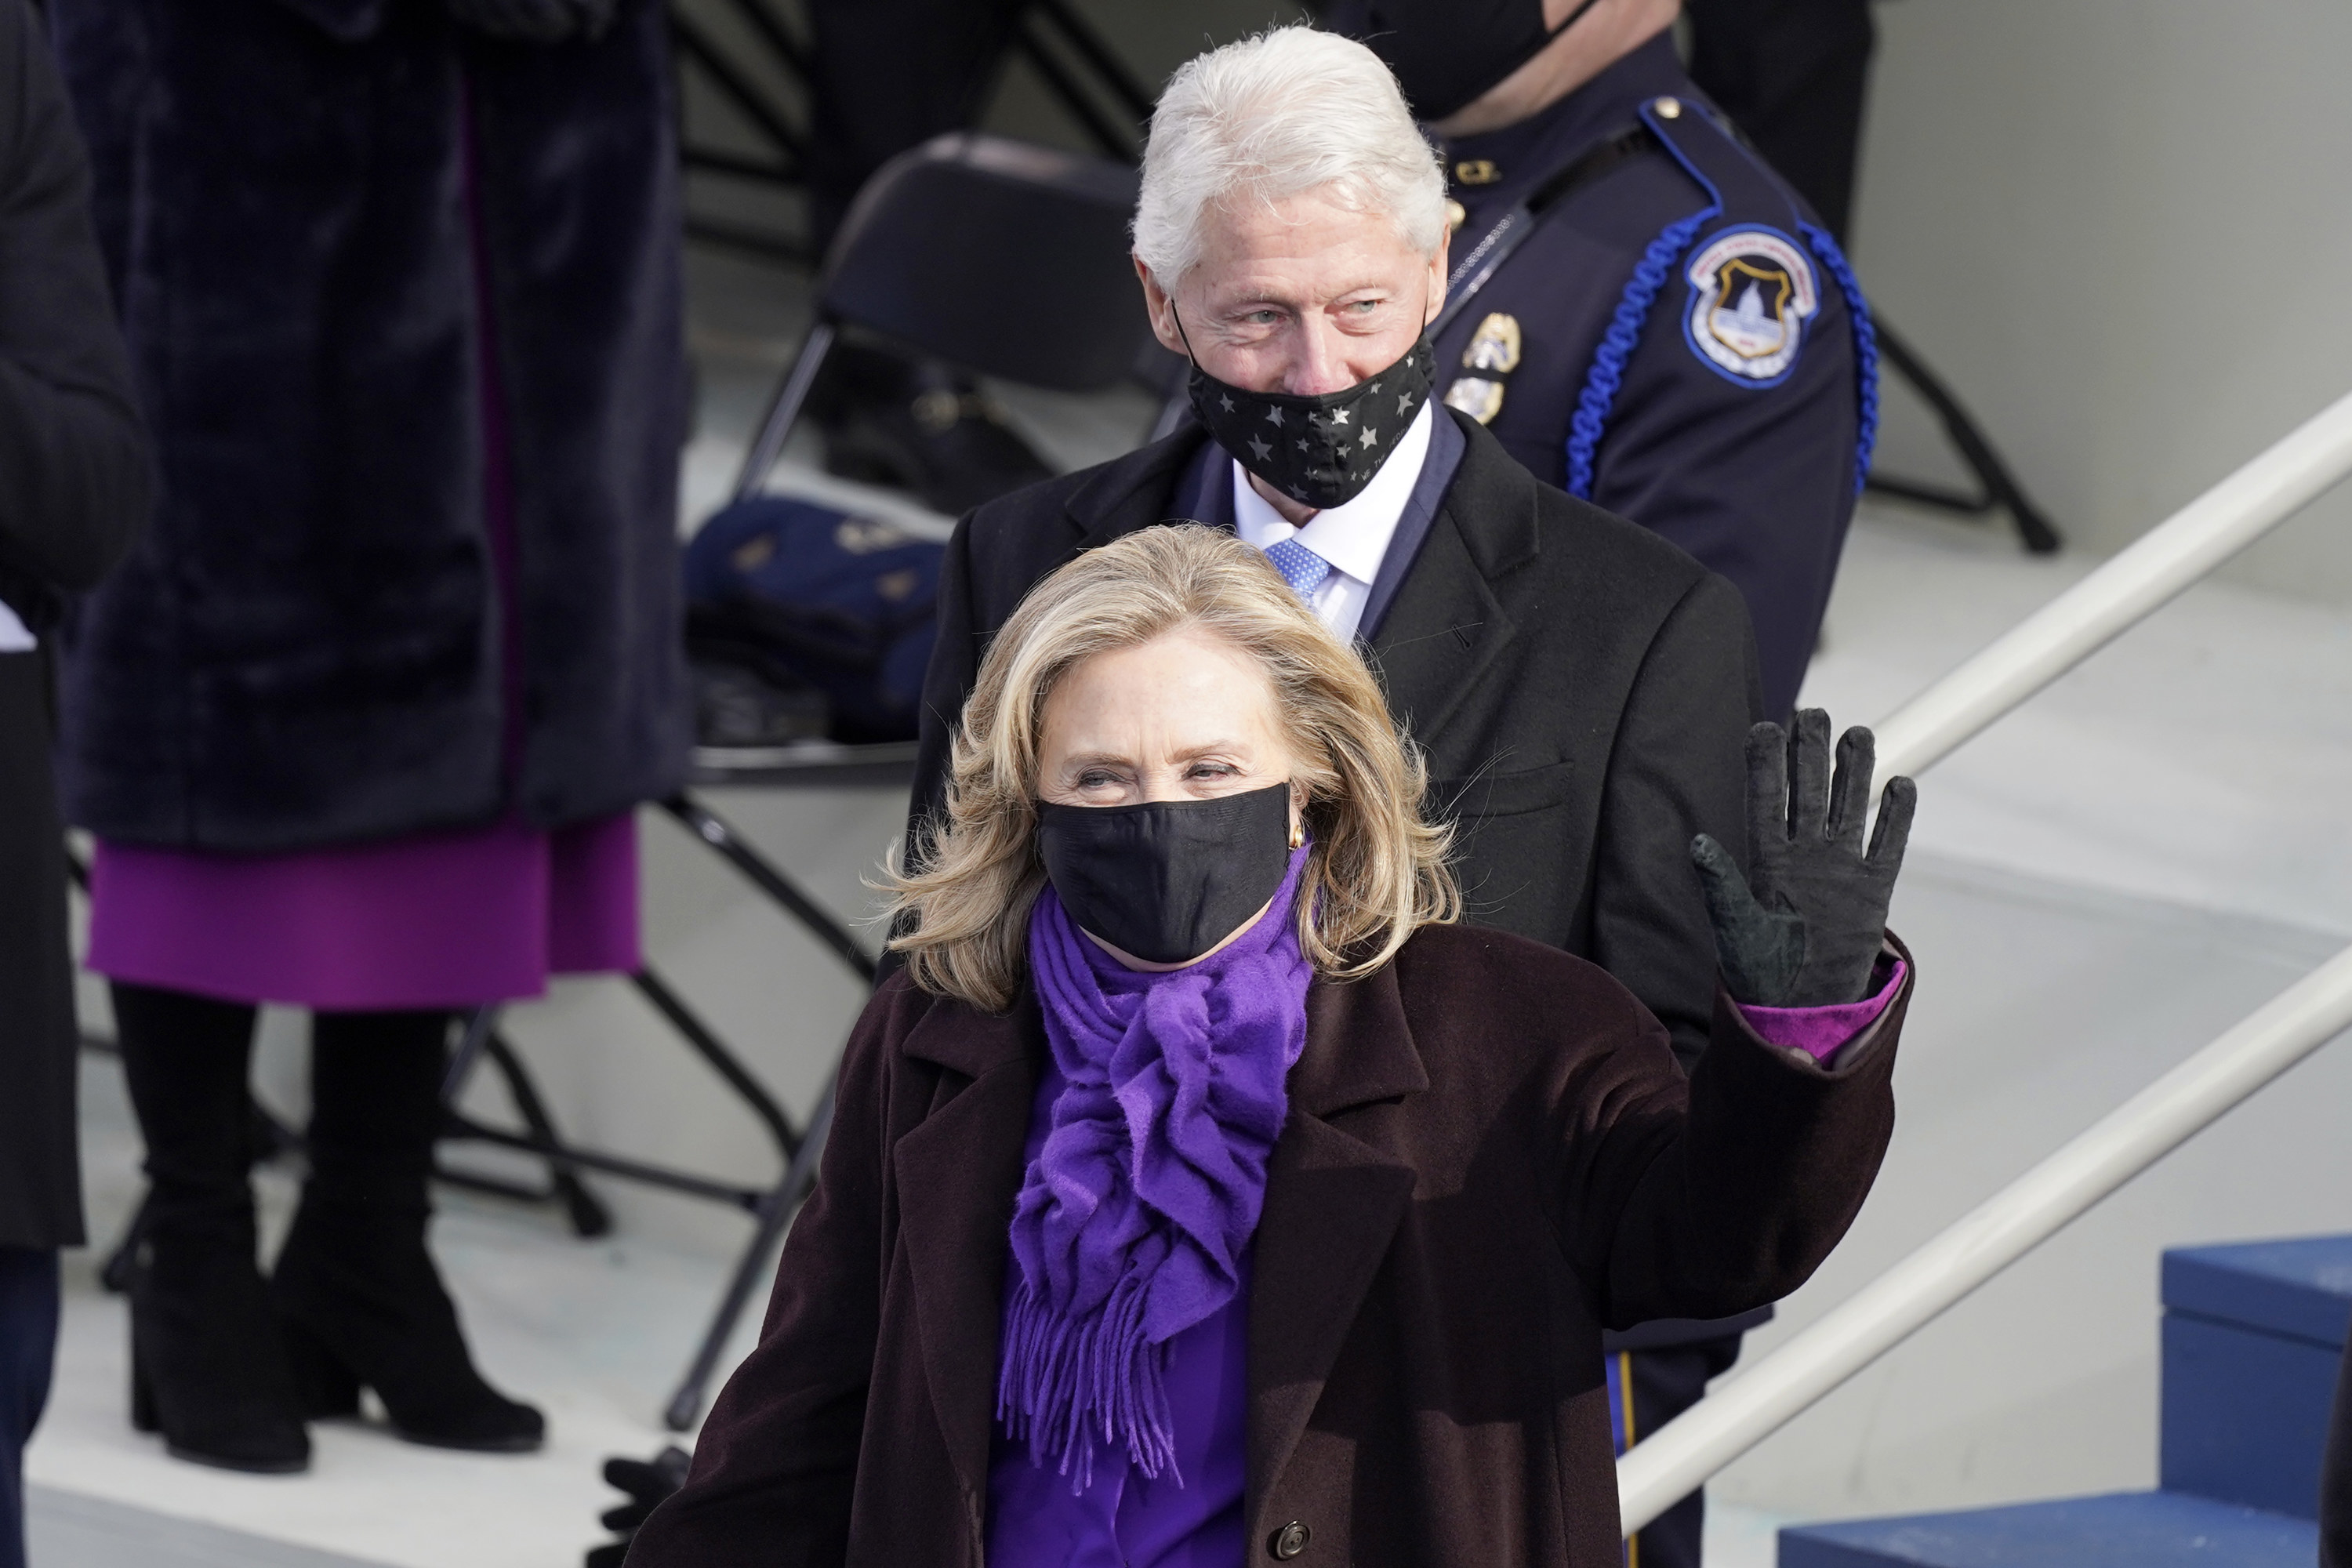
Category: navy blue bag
[798,591]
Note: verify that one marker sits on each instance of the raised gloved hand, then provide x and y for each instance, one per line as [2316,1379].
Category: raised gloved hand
[536,21]
[1809,934]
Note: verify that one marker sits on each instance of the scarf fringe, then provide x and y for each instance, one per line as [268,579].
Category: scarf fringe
[1067,1382]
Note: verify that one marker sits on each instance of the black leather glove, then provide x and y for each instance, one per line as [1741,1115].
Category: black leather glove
[536,21]
[1809,935]
[648,1483]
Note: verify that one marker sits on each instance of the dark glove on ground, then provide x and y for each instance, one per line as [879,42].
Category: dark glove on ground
[648,1483]
[1809,934]
[536,21]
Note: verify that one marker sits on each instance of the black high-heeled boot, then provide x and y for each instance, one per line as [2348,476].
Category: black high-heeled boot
[356,1292]
[207,1368]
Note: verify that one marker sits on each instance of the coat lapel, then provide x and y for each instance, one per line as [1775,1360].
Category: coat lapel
[1135,491]
[959,1172]
[1332,1205]
[1447,625]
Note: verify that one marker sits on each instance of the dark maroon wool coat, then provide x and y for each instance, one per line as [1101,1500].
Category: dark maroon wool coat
[1491,1155]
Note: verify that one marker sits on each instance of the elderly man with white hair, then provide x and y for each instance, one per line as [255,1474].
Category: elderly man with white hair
[1582,688]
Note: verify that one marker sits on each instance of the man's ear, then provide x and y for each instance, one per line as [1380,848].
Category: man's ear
[1438,273]
[1162,310]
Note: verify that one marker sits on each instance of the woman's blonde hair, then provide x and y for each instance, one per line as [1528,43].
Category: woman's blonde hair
[1377,871]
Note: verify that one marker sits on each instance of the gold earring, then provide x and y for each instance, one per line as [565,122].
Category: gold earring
[1298,833]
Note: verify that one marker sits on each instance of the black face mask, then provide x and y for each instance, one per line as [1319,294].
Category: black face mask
[1446,52]
[1169,880]
[1319,451]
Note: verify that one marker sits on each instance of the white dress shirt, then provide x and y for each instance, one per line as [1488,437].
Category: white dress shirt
[1353,538]
[14,635]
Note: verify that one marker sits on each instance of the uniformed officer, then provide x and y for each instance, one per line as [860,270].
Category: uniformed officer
[1642,311]
[1646,314]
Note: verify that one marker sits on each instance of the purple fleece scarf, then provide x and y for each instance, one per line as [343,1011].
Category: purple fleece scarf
[1130,1224]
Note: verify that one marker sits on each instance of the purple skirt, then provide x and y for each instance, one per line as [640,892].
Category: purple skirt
[441,920]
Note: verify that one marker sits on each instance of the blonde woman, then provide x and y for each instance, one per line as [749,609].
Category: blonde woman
[1201,1194]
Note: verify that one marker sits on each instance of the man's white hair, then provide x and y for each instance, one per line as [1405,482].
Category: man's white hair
[1290,111]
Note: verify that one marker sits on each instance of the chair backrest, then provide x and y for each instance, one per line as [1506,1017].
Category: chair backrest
[1002,256]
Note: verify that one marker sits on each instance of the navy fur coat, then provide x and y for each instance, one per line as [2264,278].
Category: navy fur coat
[308,647]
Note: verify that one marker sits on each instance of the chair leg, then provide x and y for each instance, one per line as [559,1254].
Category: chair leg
[722,1061]
[1997,486]
[714,831]
[778,1207]
[479,1026]
[776,1212]
[791,396]
[472,1045]
[586,1211]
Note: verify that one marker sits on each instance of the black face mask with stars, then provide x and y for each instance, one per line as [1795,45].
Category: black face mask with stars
[1319,451]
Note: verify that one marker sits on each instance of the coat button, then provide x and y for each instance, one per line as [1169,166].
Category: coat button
[1288,1541]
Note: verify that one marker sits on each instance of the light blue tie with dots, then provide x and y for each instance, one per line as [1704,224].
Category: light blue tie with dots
[1300,567]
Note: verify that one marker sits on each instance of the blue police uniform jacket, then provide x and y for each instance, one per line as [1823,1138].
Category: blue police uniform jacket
[1674,338]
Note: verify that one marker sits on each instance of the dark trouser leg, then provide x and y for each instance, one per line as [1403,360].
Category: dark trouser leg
[207,1368]
[355,1285]
[1666,1384]
[29,1342]
[1792,73]
[2336,1478]
[890,75]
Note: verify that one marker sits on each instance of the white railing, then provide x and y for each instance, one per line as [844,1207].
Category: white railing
[2143,577]
[1684,1452]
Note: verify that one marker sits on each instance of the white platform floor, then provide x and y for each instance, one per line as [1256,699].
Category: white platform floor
[2100,884]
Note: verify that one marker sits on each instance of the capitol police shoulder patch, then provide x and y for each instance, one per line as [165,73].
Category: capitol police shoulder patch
[1753,291]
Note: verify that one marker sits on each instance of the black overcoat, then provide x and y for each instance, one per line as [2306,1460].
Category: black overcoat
[307,649]
[74,486]
[1490,1155]
[1582,688]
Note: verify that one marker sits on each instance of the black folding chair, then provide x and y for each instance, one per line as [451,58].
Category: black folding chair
[1002,257]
